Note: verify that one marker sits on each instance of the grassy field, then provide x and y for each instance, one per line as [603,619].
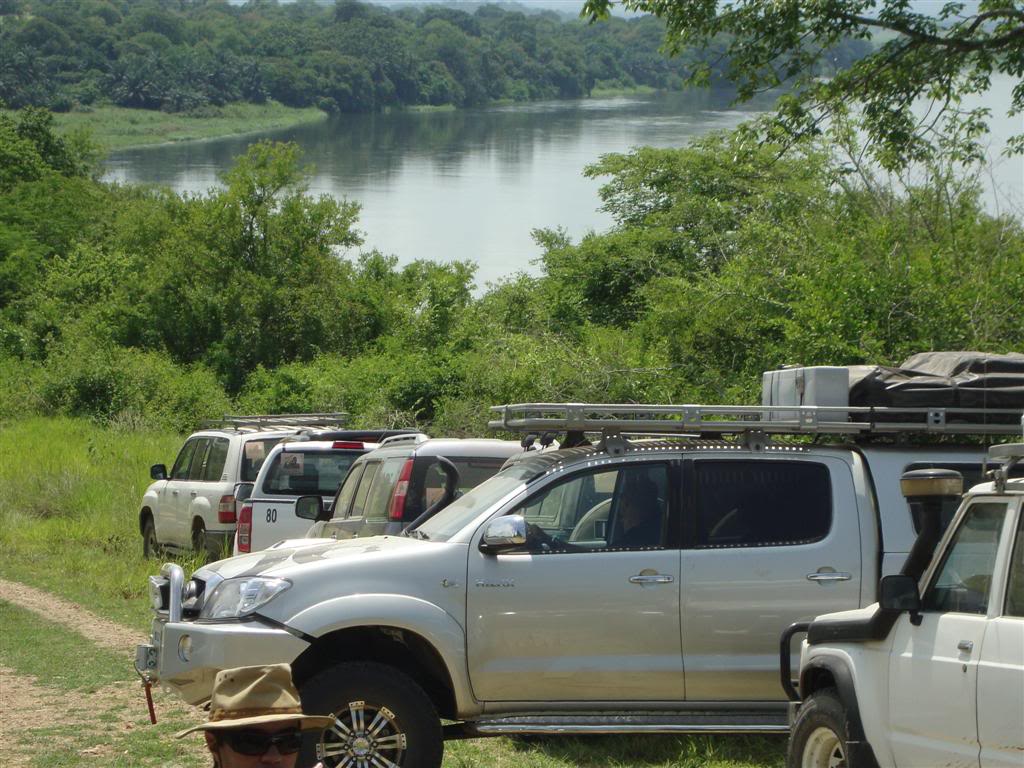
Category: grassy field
[119,128]
[69,492]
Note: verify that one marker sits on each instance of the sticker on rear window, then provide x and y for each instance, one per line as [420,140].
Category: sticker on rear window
[255,450]
[292,463]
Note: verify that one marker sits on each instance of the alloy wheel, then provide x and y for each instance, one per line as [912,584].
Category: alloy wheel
[363,736]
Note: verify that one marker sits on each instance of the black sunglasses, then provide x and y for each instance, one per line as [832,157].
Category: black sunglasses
[258,742]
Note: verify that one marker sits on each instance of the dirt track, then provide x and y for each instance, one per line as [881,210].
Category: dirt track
[24,704]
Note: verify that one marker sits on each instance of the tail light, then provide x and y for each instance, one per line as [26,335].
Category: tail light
[347,444]
[226,509]
[244,532]
[401,490]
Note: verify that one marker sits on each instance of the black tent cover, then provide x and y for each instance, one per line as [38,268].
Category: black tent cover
[942,380]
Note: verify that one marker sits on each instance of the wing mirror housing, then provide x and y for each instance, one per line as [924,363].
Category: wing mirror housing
[309,508]
[158,472]
[898,593]
[242,493]
[508,532]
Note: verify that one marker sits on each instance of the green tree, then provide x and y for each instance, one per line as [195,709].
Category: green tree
[942,54]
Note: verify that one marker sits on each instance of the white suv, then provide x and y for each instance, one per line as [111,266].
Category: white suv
[193,505]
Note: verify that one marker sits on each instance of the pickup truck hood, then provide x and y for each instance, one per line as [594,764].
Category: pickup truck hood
[297,553]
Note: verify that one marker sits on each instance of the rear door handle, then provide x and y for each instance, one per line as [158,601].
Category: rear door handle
[828,576]
[965,645]
[651,578]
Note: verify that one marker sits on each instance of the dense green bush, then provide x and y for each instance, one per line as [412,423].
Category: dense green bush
[725,260]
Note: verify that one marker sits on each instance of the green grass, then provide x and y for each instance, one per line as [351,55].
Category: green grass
[119,128]
[69,498]
[604,93]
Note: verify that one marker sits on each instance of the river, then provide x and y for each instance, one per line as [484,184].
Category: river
[472,184]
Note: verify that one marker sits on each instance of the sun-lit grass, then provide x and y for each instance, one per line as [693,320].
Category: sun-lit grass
[119,128]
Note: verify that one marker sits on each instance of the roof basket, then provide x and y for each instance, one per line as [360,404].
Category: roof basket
[703,420]
[277,421]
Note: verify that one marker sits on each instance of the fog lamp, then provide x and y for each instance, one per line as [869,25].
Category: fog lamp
[185,648]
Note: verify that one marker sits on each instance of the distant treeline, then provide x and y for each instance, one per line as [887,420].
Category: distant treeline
[142,307]
[188,55]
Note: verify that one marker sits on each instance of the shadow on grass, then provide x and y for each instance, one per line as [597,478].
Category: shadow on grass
[675,751]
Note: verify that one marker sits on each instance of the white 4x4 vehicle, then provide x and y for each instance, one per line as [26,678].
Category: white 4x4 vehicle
[933,674]
[193,505]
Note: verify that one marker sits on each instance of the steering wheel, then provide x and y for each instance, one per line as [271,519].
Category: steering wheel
[591,516]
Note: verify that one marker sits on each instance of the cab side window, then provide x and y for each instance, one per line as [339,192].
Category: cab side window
[964,580]
[623,509]
[216,459]
[359,503]
[1015,582]
[761,503]
[379,499]
[181,464]
[195,471]
[347,492]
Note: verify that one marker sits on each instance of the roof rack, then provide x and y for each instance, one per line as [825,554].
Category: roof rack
[276,421]
[698,420]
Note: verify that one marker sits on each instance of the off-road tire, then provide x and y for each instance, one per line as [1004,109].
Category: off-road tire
[390,698]
[819,735]
[199,542]
[150,546]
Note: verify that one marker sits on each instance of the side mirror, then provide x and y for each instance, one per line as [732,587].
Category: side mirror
[899,593]
[158,472]
[242,493]
[504,533]
[309,507]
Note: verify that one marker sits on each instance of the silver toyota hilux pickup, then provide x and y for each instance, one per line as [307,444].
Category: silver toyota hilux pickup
[631,585]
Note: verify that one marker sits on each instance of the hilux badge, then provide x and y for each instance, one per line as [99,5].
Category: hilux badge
[499,583]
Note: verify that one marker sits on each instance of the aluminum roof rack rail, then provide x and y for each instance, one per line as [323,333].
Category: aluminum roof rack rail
[697,420]
[277,421]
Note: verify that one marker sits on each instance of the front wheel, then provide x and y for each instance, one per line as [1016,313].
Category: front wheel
[382,718]
[818,738]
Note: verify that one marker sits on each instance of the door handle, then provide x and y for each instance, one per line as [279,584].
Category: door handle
[828,576]
[193,494]
[965,645]
[174,493]
[651,578]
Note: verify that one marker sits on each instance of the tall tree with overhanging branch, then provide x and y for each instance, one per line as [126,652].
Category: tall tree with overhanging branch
[938,58]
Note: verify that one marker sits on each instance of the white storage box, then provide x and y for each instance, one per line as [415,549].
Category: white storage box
[821,385]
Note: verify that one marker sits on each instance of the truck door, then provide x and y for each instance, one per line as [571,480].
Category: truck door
[588,608]
[766,542]
[1001,671]
[939,658]
[173,506]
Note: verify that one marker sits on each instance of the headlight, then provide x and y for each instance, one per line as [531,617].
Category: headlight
[234,598]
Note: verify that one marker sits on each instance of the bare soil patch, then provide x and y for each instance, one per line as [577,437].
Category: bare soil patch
[102,632]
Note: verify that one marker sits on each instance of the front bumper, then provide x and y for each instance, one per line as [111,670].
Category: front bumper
[185,656]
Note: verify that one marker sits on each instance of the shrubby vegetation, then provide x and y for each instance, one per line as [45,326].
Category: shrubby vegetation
[197,55]
[146,308]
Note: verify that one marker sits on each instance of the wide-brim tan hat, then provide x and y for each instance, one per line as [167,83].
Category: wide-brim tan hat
[254,696]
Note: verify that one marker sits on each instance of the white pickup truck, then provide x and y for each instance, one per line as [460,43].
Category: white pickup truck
[932,674]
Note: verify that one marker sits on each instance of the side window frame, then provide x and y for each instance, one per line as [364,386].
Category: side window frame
[1016,558]
[189,450]
[670,526]
[201,453]
[369,475]
[215,441]
[356,475]
[948,545]
[692,537]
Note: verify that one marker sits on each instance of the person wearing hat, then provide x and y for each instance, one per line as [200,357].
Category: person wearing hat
[256,719]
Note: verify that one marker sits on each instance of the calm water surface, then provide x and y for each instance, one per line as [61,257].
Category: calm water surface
[472,184]
[468,184]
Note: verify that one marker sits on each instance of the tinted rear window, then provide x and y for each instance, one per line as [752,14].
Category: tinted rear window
[297,473]
[254,452]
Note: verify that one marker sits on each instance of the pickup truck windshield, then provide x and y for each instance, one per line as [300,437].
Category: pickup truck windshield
[460,512]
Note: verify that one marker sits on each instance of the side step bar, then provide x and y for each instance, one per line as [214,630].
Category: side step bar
[673,722]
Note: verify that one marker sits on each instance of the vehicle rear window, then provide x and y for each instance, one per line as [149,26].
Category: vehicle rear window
[761,503]
[254,452]
[297,473]
[383,487]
